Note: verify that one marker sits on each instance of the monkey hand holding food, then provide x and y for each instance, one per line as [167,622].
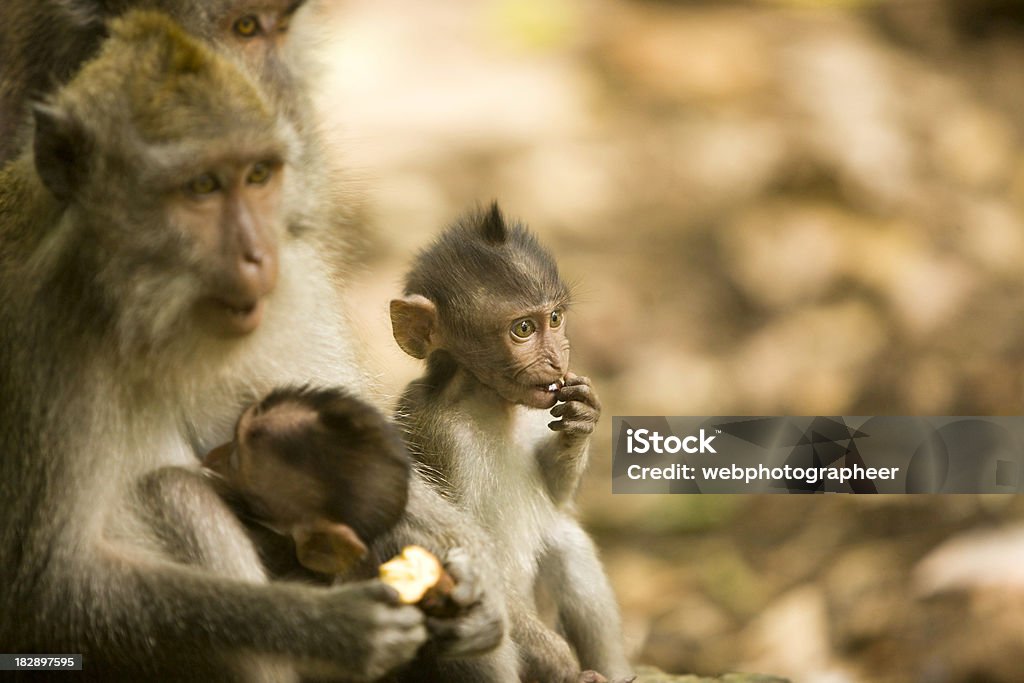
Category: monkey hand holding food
[420,580]
[451,596]
[476,625]
[578,407]
[474,641]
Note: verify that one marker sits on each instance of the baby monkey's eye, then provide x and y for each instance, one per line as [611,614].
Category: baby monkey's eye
[557,316]
[247,26]
[202,185]
[523,329]
[260,173]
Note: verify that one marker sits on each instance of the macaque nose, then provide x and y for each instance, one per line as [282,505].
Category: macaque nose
[254,251]
[254,254]
[257,270]
[557,364]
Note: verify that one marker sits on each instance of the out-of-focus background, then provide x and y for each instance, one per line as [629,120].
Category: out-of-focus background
[769,207]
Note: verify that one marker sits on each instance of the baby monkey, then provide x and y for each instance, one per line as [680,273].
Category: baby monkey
[319,467]
[485,306]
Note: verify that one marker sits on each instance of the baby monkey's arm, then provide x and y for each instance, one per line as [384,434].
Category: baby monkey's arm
[563,457]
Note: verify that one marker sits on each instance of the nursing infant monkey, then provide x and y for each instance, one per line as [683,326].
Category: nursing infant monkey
[327,475]
[485,306]
[319,468]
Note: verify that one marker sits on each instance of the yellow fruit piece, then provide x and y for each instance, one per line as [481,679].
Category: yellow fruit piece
[412,573]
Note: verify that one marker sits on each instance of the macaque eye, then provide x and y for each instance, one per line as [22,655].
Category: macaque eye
[247,26]
[203,184]
[259,174]
[523,329]
[557,316]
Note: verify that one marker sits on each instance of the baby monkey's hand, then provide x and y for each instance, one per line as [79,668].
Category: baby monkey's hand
[578,407]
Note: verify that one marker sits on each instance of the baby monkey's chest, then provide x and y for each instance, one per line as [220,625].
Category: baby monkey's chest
[508,494]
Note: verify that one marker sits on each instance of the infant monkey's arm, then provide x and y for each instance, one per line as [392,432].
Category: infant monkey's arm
[563,457]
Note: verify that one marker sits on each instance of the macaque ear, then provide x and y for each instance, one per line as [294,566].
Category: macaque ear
[327,547]
[414,324]
[61,149]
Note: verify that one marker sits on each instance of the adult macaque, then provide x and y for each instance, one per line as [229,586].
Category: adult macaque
[43,43]
[485,306]
[144,258]
[318,466]
[151,343]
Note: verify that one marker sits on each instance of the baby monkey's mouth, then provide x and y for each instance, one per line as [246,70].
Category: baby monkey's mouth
[540,395]
[554,386]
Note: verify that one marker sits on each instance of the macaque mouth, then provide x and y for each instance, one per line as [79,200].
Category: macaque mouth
[540,395]
[552,387]
[240,311]
[239,316]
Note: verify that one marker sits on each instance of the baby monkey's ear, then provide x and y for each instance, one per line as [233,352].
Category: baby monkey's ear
[414,324]
[327,547]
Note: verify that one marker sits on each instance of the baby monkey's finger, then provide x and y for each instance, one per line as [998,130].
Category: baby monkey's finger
[577,410]
[577,427]
[584,393]
[572,379]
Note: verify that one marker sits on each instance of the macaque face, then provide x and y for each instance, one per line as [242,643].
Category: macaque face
[534,357]
[230,214]
[257,29]
[176,183]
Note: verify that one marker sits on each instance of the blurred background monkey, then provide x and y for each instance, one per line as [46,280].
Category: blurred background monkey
[43,43]
[485,307]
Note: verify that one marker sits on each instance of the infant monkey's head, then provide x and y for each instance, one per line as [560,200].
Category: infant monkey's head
[319,465]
